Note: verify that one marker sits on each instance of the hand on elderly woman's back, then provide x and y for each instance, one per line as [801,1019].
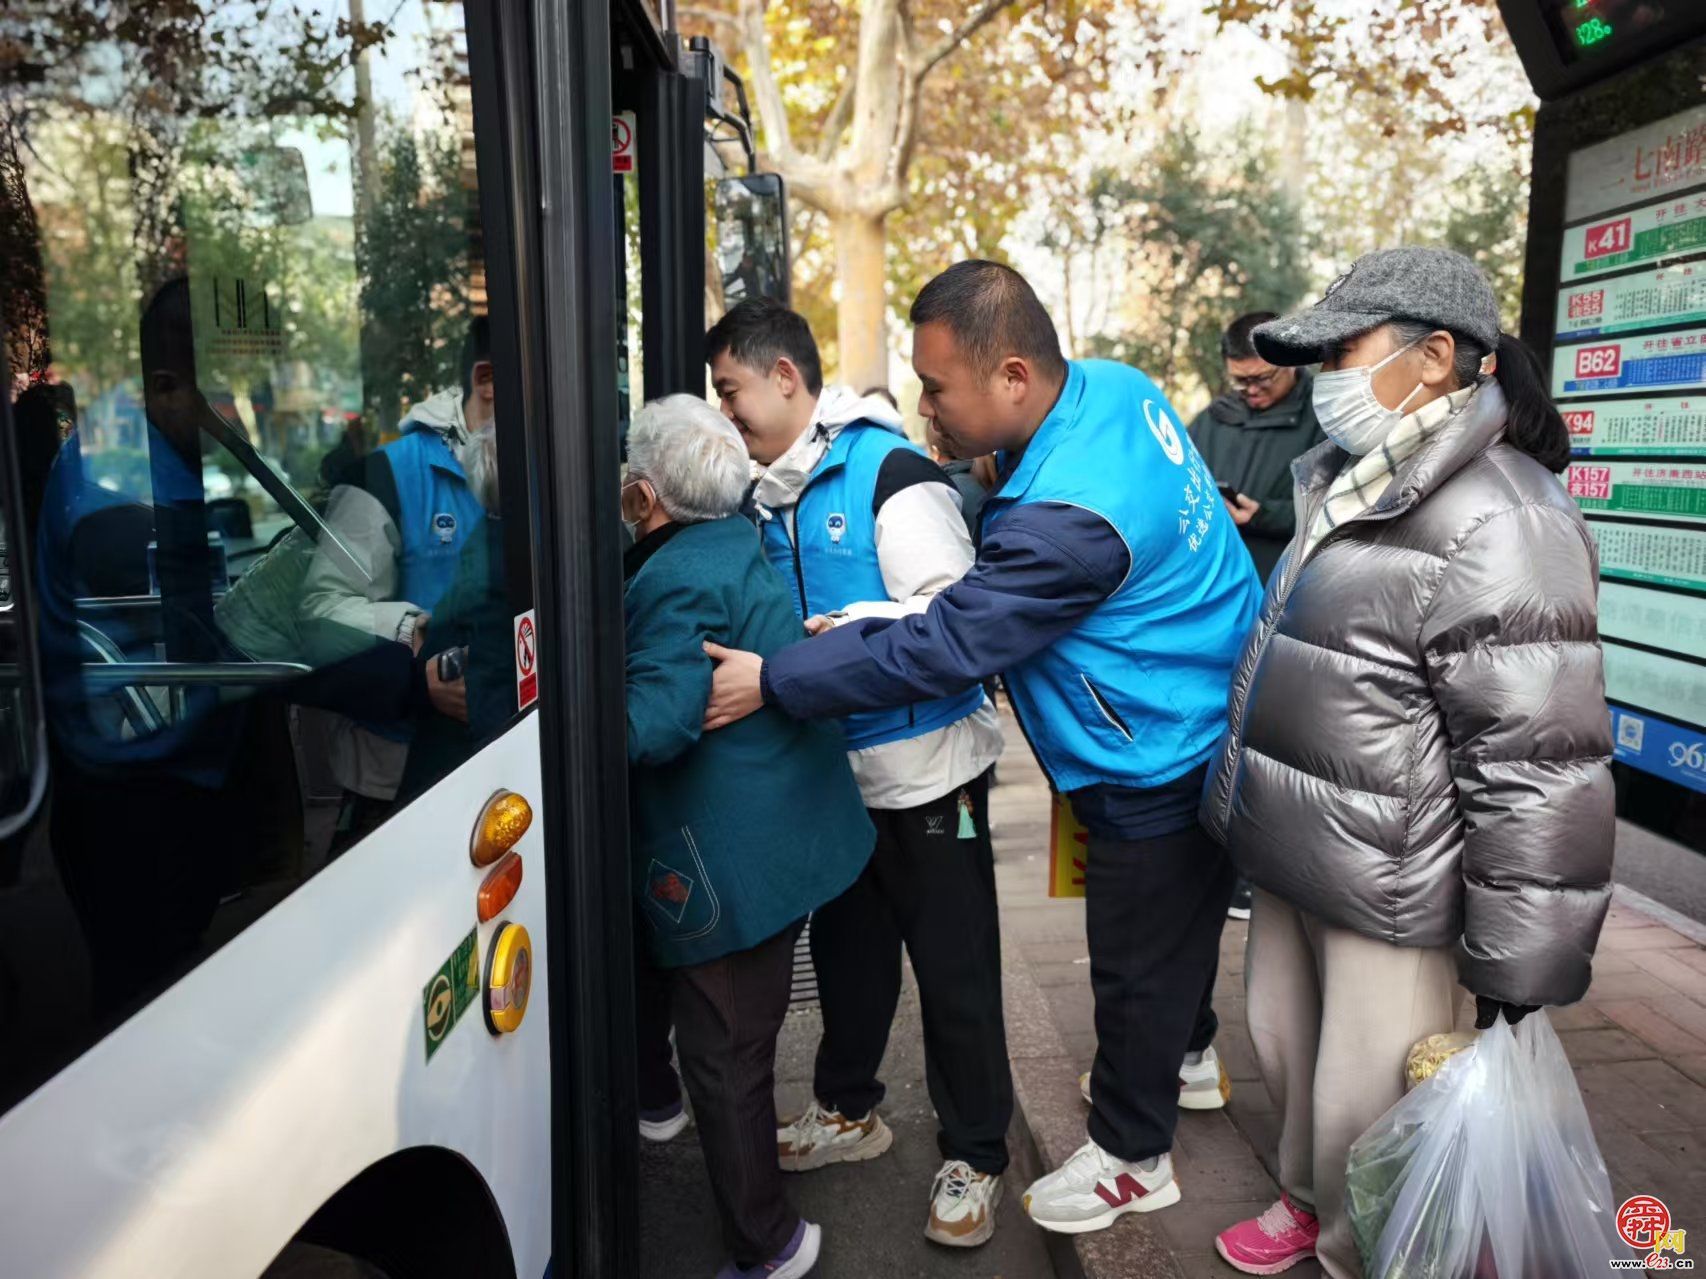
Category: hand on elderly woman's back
[736,686]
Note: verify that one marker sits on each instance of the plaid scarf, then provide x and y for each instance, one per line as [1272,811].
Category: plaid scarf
[1365,479]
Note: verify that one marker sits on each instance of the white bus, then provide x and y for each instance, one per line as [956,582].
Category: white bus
[314,904]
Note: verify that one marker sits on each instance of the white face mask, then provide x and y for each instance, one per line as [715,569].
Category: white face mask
[1349,411]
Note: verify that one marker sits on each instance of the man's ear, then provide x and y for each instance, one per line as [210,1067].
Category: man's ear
[787,375]
[1015,377]
[485,385]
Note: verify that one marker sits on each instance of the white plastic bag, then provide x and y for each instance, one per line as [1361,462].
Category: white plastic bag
[1489,1170]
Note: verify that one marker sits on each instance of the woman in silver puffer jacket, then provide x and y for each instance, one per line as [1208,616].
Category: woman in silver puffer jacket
[1416,774]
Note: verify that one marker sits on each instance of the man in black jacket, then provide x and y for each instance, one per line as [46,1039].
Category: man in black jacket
[1250,436]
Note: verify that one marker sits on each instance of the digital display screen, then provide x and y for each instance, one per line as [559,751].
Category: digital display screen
[1588,28]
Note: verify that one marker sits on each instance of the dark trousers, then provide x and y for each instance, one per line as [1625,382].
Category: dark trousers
[727,1015]
[934,892]
[1154,909]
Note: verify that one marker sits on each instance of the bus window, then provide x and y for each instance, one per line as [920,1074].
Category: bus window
[267,531]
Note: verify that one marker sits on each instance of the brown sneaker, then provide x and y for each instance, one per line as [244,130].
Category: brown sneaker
[821,1137]
[962,1206]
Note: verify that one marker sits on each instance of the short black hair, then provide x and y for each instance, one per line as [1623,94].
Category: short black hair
[1235,343]
[993,313]
[760,331]
[476,349]
[883,392]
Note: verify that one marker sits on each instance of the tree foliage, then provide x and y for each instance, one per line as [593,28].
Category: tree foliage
[1196,235]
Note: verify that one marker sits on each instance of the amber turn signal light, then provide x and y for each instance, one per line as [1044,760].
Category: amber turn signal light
[500,886]
[503,821]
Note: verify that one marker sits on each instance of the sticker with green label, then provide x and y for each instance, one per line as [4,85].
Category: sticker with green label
[446,997]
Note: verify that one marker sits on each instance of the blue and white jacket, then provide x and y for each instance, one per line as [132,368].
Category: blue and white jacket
[860,523]
[1111,589]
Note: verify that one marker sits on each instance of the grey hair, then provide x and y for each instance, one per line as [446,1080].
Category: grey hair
[692,456]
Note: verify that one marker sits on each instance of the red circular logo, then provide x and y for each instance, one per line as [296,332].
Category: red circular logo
[1643,1221]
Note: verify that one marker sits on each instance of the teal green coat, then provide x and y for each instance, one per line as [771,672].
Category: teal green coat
[735,834]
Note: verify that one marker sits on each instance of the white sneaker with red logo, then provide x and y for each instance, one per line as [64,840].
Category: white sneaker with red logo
[1093,1189]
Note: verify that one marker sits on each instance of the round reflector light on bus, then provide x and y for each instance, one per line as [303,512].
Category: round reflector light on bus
[503,821]
[509,978]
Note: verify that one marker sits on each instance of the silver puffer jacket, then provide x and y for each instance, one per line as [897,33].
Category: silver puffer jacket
[1419,744]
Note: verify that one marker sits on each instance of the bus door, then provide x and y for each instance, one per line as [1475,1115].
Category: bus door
[272,875]
[1615,301]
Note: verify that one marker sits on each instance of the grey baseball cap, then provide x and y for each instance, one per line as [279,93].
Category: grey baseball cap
[1435,286]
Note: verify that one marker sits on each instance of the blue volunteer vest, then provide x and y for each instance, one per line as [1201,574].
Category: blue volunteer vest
[836,565]
[436,514]
[1136,694]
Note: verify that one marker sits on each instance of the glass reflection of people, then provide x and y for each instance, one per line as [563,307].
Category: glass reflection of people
[408,511]
[153,815]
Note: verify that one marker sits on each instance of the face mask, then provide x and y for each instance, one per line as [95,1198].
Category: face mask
[1349,411]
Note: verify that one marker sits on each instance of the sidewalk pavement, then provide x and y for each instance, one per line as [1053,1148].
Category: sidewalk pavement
[1638,1043]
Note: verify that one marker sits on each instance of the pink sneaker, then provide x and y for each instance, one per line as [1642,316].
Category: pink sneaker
[1277,1240]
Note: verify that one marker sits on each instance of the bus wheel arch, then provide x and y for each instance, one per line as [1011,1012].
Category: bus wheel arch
[416,1214]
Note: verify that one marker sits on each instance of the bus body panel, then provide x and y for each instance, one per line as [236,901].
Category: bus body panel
[198,1137]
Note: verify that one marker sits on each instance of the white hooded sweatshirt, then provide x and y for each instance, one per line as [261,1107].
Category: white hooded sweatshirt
[922,548]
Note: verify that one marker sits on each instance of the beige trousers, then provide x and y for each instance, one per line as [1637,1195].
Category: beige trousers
[1333,1016]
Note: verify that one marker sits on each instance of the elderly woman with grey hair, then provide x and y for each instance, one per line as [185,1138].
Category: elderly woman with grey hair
[736,836]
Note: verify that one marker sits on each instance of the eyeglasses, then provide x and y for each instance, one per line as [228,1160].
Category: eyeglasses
[1256,382]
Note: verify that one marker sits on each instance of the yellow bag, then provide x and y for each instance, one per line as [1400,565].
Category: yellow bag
[1068,848]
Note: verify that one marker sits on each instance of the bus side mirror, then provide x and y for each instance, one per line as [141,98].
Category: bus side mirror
[752,238]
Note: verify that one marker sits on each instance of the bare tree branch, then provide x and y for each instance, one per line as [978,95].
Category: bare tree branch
[814,181]
[979,18]
[772,114]
[835,123]
[906,123]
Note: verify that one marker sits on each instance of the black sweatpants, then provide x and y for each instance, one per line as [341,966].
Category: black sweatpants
[1154,910]
[727,1015]
[934,892]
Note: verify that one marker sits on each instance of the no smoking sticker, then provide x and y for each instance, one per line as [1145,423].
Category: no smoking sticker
[526,660]
[622,142]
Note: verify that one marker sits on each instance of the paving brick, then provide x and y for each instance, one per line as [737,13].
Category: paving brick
[1651,937]
[1639,984]
[1679,976]
[1583,1016]
[1653,1023]
[1584,1047]
[1693,1067]
[1645,1096]
[1191,1225]
[1215,1162]
[1607,962]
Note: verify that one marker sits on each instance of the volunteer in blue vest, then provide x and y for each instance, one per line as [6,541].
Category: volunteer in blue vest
[859,521]
[405,512]
[1113,592]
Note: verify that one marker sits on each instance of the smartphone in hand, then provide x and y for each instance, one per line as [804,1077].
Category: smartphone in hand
[1229,493]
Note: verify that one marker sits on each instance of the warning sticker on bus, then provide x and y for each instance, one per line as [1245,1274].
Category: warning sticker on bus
[1662,361]
[526,660]
[446,997]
